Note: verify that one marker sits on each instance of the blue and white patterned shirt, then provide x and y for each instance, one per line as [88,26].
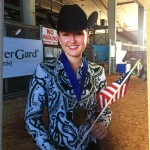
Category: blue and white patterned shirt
[50,86]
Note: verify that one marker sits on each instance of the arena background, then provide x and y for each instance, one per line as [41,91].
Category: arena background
[128,129]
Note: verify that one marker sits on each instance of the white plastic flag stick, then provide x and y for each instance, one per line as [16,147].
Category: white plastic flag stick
[107,105]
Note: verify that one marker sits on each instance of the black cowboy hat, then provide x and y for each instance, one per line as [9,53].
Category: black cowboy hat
[73,18]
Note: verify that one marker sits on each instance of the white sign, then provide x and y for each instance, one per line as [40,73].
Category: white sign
[119,56]
[112,51]
[49,36]
[21,56]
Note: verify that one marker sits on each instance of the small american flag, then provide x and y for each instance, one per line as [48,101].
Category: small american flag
[115,90]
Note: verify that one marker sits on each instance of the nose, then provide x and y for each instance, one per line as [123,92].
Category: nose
[72,39]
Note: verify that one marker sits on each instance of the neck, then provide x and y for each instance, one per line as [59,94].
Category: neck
[75,62]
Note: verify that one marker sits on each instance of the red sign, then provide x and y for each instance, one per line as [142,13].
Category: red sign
[49,36]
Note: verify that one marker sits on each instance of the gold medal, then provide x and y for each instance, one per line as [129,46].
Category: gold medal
[79,116]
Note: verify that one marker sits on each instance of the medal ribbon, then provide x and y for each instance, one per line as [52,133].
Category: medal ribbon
[78,88]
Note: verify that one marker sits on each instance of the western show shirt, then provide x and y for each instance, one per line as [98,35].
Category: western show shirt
[51,87]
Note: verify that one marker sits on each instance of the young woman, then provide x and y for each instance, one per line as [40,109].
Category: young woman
[67,86]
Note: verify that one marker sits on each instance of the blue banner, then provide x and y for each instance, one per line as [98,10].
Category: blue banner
[21,56]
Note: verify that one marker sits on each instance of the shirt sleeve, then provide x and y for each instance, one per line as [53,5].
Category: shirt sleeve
[34,110]
[105,118]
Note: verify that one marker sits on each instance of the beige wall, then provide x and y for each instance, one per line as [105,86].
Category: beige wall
[148,58]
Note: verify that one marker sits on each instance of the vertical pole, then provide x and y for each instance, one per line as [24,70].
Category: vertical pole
[1,65]
[109,66]
[112,19]
[29,12]
[141,19]
[94,36]
[112,27]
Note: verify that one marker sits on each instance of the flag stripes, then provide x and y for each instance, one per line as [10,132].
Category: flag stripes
[115,90]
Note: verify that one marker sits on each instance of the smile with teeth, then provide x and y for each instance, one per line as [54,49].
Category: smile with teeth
[73,47]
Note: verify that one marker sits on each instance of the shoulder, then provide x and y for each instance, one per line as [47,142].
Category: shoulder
[49,66]
[98,72]
[95,68]
[50,61]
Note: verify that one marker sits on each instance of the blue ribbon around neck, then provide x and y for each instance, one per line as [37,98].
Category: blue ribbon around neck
[78,88]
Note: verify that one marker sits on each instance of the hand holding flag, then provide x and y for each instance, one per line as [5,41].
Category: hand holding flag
[119,86]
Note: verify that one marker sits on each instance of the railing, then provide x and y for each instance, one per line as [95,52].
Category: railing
[20,30]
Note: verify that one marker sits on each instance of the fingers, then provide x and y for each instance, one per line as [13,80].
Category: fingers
[99,131]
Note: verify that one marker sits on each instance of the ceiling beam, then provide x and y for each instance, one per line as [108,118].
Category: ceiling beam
[123,3]
[141,3]
[41,15]
[61,3]
[104,3]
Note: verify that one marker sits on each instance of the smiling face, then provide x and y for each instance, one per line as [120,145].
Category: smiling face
[73,43]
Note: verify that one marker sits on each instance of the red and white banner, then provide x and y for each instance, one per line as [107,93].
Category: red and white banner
[49,36]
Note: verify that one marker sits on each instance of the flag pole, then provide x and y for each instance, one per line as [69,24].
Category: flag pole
[107,104]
